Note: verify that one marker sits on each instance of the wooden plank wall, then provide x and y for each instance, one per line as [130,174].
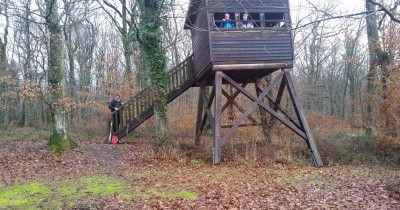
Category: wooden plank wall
[238,46]
[251,46]
[201,40]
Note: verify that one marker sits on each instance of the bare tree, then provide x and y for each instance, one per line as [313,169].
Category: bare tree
[3,62]
[388,11]
[59,140]
[176,40]
[353,60]
[124,19]
[374,49]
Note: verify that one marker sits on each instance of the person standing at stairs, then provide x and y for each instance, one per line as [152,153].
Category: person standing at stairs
[115,106]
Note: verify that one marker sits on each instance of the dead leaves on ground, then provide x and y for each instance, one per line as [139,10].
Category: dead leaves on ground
[229,186]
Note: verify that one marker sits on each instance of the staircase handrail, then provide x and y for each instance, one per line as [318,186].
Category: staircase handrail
[137,106]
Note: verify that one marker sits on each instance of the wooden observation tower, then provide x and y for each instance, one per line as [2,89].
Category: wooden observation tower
[229,50]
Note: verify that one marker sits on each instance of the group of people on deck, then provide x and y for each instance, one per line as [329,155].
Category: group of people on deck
[246,22]
[227,22]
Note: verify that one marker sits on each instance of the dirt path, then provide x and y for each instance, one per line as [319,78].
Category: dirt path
[105,153]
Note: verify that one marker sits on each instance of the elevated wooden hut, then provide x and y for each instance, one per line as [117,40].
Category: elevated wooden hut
[225,50]
[229,48]
[266,46]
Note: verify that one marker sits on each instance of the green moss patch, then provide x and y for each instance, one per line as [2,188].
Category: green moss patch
[59,143]
[85,190]
[102,186]
[71,193]
[307,179]
[190,195]
[24,196]
[96,186]
[167,191]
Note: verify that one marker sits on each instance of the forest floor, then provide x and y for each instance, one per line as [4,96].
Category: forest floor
[132,176]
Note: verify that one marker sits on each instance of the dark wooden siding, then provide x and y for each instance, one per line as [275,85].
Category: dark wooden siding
[201,40]
[267,45]
[251,46]
[248,5]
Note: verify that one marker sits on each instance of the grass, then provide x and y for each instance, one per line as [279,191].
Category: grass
[190,195]
[69,194]
[35,194]
[306,179]
[25,196]
[165,191]
[31,133]
[27,133]
[349,148]
[96,186]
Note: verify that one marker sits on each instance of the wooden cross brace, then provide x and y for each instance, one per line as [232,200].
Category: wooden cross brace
[205,114]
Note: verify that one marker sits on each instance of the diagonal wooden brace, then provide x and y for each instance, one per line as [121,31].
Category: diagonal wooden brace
[234,103]
[302,119]
[286,122]
[250,109]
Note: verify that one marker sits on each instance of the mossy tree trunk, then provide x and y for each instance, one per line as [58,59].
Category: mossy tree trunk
[155,60]
[60,140]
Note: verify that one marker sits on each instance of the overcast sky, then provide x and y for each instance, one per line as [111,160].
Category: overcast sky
[341,6]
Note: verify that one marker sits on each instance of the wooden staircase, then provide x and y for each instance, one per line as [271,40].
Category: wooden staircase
[140,107]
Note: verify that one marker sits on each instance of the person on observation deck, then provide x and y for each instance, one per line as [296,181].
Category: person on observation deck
[227,22]
[246,23]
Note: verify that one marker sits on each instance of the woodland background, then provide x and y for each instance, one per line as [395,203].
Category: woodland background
[67,58]
[348,82]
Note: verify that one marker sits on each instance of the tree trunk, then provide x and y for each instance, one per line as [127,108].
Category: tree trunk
[60,140]
[267,122]
[373,48]
[3,66]
[126,41]
[155,60]
[71,49]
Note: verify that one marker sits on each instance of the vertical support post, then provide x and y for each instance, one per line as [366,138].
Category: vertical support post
[280,94]
[265,123]
[262,20]
[299,111]
[237,19]
[217,125]
[199,121]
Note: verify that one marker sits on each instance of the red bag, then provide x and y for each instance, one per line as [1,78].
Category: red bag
[114,140]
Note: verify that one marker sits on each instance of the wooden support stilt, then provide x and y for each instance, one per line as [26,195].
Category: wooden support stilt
[217,125]
[266,121]
[208,116]
[204,114]
[299,112]
[280,94]
[200,108]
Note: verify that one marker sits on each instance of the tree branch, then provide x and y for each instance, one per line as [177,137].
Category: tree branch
[385,10]
[112,7]
[110,15]
[331,18]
